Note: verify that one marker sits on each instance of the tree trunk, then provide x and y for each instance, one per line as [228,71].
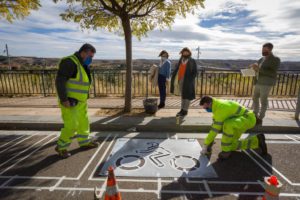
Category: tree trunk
[128,44]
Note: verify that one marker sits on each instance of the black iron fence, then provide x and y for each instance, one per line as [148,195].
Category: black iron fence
[112,83]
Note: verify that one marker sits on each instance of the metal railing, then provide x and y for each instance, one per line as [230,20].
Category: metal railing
[112,83]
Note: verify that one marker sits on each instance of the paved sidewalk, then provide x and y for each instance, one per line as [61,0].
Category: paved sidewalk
[42,114]
[279,104]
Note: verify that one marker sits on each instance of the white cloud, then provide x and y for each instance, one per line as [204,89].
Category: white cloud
[275,21]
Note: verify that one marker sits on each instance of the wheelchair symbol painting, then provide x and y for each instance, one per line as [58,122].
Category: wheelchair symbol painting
[158,158]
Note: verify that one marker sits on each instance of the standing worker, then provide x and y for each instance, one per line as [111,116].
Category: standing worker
[72,84]
[233,120]
[266,70]
[183,80]
[163,76]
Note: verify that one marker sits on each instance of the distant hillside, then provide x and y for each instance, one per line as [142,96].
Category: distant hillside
[51,63]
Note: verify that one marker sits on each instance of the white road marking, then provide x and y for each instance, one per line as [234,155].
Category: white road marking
[57,184]
[24,151]
[292,139]
[277,171]
[3,145]
[207,188]
[262,167]
[104,154]
[158,188]
[92,158]
[26,138]
[28,155]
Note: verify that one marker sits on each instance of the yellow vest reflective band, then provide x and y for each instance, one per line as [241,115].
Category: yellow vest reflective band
[79,86]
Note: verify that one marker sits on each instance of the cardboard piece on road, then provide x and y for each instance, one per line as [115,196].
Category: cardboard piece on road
[158,158]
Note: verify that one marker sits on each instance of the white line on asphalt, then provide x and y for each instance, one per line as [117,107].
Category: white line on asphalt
[18,143]
[158,188]
[207,188]
[57,184]
[262,167]
[28,155]
[277,171]
[297,136]
[3,145]
[148,191]
[92,158]
[104,154]
[8,181]
[24,150]
[292,139]
[281,142]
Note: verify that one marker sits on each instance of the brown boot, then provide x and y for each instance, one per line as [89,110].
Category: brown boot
[91,145]
[62,153]
[224,155]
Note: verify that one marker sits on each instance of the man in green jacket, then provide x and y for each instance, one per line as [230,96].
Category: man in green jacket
[72,84]
[266,70]
[232,120]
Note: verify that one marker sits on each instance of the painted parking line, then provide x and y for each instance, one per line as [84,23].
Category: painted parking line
[292,139]
[93,157]
[12,141]
[24,150]
[141,190]
[28,155]
[277,171]
[26,138]
[103,156]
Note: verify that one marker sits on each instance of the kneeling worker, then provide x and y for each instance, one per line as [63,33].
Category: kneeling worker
[232,120]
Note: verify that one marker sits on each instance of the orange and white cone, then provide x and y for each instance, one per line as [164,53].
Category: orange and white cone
[272,188]
[112,190]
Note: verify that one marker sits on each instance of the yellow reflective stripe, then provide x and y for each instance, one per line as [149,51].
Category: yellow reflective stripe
[227,135]
[225,144]
[78,83]
[218,123]
[215,130]
[239,110]
[78,91]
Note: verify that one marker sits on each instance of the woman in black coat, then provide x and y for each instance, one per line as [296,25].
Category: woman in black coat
[183,80]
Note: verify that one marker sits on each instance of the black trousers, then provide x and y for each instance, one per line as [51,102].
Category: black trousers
[162,88]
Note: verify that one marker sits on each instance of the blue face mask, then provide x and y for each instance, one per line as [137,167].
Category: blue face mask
[208,110]
[88,61]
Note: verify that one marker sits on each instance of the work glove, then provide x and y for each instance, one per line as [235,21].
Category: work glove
[207,149]
[204,150]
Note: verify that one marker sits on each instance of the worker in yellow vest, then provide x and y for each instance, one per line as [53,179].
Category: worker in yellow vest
[232,120]
[73,82]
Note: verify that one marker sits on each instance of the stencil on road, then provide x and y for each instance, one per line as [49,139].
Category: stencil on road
[158,158]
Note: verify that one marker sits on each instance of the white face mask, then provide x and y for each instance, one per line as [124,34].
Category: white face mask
[164,59]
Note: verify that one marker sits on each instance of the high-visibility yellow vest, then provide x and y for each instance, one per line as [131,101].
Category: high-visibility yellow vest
[222,110]
[79,86]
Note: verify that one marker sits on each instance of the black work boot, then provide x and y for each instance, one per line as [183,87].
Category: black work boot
[182,113]
[258,121]
[262,144]
[91,145]
[161,105]
[179,113]
[62,153]
[224,155]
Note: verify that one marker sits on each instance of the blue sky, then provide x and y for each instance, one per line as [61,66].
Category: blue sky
[225,29]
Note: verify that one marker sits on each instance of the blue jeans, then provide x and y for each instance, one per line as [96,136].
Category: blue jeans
[162,88]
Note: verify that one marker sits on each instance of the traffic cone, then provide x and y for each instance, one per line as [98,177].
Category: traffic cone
[112,191]
[272,188]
